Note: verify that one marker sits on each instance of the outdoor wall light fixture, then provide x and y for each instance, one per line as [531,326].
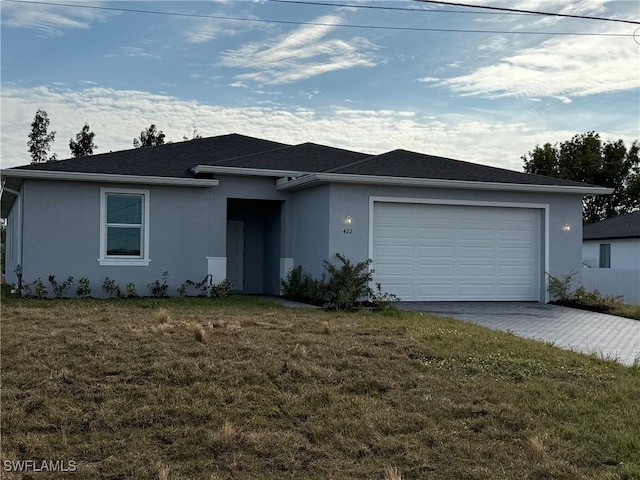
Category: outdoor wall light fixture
[347,220]
[566,227]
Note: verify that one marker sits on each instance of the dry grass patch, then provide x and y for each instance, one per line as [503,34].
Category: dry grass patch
[162,316]
[227,433]
[198,331]
[536,448]
[271,394]
[392,473]
[327,328]
[163,471]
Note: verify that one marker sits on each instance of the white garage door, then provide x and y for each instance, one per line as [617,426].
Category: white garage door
[451,252]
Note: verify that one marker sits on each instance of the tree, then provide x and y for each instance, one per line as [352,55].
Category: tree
[585,158]
[149,137]
[192,134]
[40,140]
[83,145]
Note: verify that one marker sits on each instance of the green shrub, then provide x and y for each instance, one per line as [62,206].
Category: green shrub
[84,288]
[384,301]
[200,288]
[59,289]
[111,288]
[347,284]
[595,299]
[131,290]
[221,289]
[36,289]
[342,287]
[159,288]
[560,288]
[300,286]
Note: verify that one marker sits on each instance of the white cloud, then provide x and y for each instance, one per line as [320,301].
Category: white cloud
[558,67]
[299,55]
[205,29]
[494,44]
[202,30]
[117,116]
[138,52]
[51,19]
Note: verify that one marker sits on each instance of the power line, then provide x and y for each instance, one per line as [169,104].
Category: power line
[320,24]
[378,7]
[531,12]
[491,10]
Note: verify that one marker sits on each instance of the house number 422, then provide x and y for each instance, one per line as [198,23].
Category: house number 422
[347,231]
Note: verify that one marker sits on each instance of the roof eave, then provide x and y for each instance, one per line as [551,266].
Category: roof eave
[611,237]
[108,177]
[306,181]
[252,172]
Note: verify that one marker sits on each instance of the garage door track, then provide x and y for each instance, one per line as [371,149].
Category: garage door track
[588,332]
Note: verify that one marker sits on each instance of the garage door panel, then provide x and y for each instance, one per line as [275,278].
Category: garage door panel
[403,290]
[511,271]
[431,233]
[515,290]
[473,291]
[393,251]
[445,252]
[398,270]
[435,269]
[434,251]
[476,252]
[477,234]
[433,292]
[477,270]
[509,235]
[397,233]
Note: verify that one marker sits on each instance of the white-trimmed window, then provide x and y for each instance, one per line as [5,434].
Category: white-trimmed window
[124,227]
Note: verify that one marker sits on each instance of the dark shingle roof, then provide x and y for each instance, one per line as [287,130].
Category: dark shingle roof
[177,160]
[403,163]
[306,157]
[623,226]
[170,160]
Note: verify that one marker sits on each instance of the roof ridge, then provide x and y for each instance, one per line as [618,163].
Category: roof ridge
[351,164]
[262,152]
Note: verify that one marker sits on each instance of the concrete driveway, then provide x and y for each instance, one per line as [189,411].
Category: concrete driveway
[588,332]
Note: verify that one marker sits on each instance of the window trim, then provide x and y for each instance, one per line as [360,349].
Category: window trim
[105,259]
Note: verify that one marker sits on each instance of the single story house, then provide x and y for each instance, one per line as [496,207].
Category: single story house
[249,210]
[612,243]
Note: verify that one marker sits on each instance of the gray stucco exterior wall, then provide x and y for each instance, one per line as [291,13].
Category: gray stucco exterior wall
[61,228]
[61,235]
[311,217]
[563,247]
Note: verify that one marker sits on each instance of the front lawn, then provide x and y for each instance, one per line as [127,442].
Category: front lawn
[242,388]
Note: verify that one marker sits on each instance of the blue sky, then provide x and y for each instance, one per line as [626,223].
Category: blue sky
[482,97]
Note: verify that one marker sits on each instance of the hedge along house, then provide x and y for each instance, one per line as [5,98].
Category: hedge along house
[249,210]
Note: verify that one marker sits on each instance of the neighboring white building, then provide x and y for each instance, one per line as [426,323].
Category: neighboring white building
[612,243]
[611,256]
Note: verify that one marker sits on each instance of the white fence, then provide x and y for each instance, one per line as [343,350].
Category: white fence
[614,281]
